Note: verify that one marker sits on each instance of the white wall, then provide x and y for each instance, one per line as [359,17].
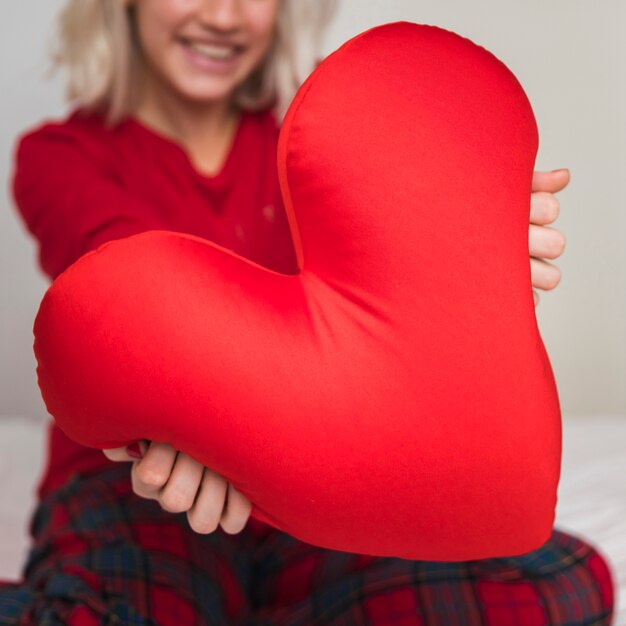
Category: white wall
[567,55]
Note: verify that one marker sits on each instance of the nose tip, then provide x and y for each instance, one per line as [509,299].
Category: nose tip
[222,14]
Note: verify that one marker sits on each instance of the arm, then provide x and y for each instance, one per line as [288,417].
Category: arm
[70,204]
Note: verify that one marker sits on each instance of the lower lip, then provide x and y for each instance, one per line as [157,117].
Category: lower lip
[216,66]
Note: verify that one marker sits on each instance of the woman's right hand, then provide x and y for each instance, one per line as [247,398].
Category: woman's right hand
[180,483]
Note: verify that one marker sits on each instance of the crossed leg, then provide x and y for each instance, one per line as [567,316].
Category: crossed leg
[102,555]
[565,582]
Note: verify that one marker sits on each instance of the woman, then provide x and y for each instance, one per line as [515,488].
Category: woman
[176,128]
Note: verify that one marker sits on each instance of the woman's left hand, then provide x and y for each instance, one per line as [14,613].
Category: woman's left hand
[544,241]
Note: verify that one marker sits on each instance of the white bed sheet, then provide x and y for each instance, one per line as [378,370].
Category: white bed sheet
[591,495]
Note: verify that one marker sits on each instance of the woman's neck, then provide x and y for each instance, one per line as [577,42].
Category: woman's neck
[206,130]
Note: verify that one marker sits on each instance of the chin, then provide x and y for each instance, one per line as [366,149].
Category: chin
[208,95]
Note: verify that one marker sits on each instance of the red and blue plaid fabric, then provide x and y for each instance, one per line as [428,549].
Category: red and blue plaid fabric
[103,556]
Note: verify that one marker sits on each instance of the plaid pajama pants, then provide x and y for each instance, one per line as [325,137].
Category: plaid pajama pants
[100,555]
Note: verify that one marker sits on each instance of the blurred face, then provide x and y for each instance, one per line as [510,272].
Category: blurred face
[203,49]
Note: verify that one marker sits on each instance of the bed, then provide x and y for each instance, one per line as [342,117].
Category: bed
[591,496]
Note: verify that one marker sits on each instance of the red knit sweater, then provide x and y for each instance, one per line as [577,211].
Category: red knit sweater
[77,185]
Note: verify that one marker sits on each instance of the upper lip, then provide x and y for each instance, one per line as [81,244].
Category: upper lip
[212,42]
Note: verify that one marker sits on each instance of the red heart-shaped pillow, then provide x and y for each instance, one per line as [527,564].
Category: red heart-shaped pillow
[394,397]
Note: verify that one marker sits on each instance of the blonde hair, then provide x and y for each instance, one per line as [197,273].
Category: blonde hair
[95,41]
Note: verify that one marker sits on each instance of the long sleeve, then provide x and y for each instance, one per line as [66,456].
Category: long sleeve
[77,185]
[70,202]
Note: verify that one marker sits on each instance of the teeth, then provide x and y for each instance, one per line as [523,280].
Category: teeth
[213,52]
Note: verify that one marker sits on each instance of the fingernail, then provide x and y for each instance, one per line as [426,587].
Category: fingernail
[561,169]
[134,451]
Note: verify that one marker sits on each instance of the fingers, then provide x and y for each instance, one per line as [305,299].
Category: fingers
[544,275]
[205,515]
[545,242]
[152,472]
[551,181]
[179,493]
[544,207]
[180,483]
[238,509]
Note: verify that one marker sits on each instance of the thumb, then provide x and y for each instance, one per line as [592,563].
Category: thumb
[131,452]
[117,454]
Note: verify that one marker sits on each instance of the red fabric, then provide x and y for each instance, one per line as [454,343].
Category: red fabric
[99,551]
[394,396]
[77,185]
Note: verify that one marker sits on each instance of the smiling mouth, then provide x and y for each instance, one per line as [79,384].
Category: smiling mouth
[216,52]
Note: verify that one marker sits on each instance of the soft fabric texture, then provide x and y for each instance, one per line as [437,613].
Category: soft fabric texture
[102,555]
[578,576]
[393,397]
[77,184]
